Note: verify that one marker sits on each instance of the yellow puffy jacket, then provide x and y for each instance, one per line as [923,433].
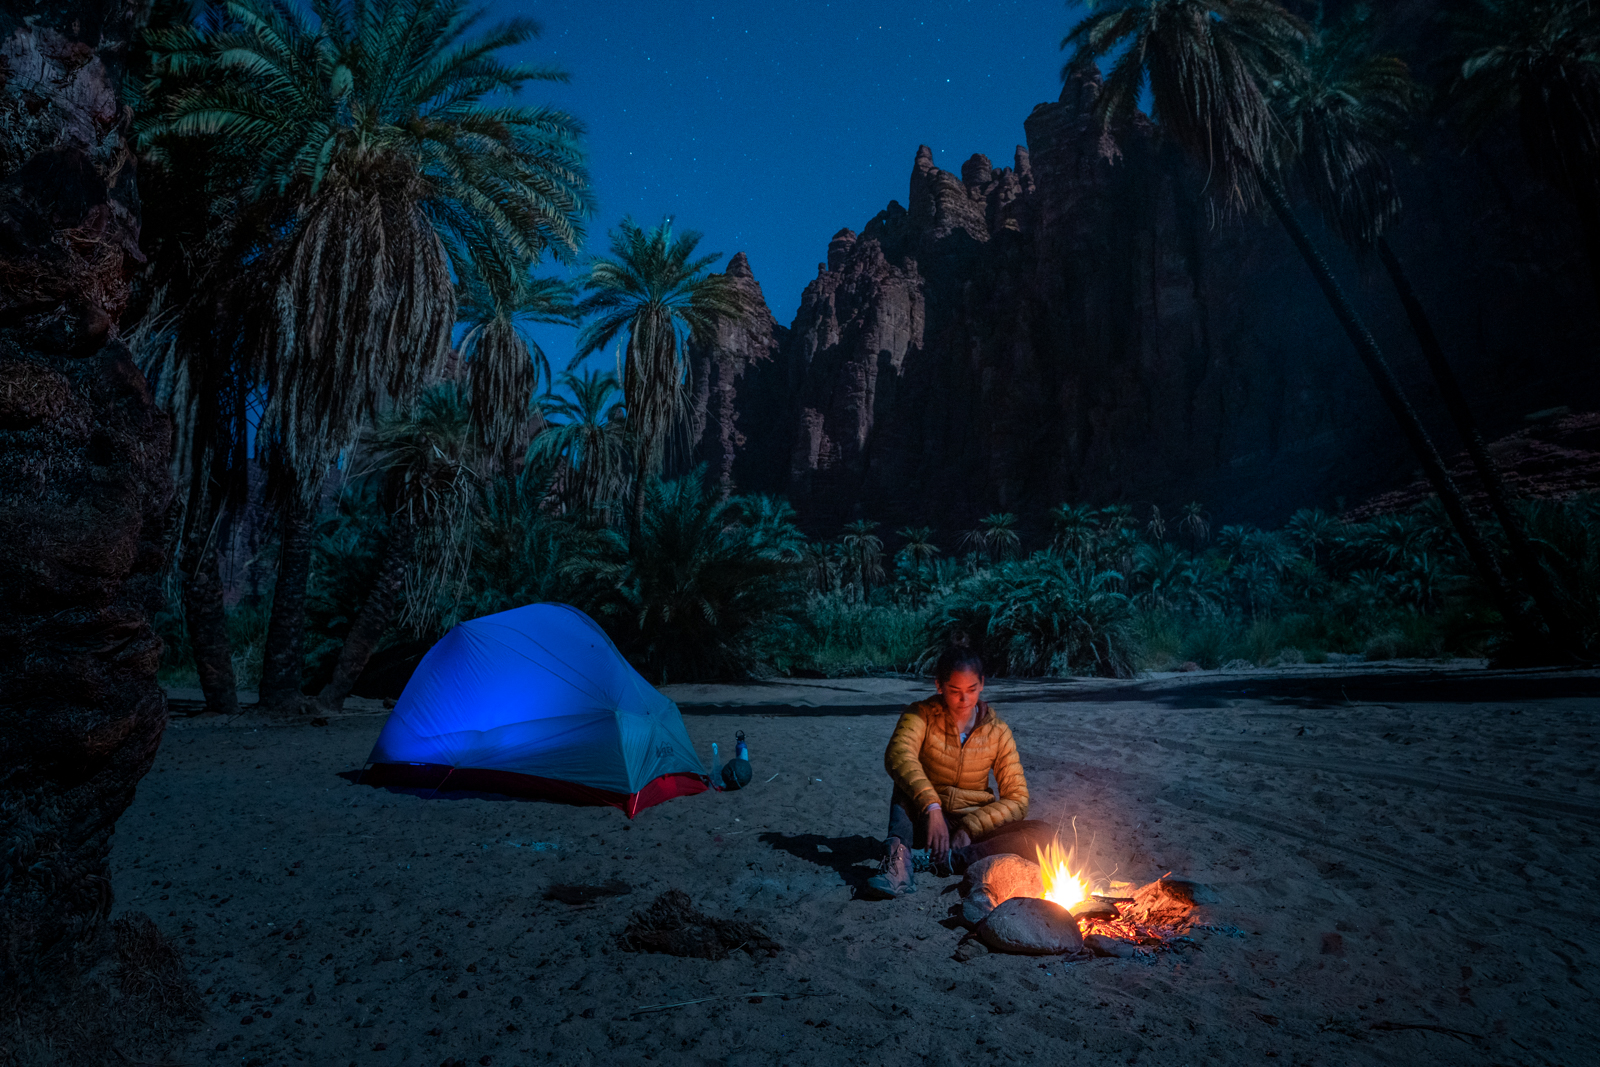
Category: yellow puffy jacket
[929,763]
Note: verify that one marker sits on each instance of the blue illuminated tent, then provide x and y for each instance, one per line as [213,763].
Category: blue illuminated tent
[536,701]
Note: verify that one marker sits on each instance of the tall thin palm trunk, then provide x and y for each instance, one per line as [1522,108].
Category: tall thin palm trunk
[283,656]
[1494,486]
[207,622]
[1389,388]
[372,621]
[1589,223]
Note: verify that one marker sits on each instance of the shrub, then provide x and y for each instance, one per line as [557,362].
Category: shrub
[703,588]
[838,636]
[1043,616]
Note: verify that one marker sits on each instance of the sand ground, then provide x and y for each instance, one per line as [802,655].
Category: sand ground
[1406,863]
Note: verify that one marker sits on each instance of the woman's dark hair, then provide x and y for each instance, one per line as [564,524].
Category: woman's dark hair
[958,655]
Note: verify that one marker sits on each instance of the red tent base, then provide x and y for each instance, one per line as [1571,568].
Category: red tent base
[437,776]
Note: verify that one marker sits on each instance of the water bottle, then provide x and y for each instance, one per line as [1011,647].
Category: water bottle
[740,749]
[716,761]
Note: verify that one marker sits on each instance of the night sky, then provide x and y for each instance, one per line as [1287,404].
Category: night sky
[768,126]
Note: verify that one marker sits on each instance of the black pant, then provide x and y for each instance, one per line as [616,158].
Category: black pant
[1022,838]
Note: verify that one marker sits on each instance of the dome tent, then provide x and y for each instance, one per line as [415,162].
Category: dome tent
[536,701]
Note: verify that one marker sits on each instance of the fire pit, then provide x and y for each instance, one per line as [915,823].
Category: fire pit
[1013,904]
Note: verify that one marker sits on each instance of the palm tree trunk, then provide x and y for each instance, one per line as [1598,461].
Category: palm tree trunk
[207,621]
[282,659]
[84,489]
[1389,388]
[372,621]
[1589,221]
[1455,401]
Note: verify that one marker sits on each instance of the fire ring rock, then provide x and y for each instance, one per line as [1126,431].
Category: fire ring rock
[1101,945]
[1031,926]
[994,880]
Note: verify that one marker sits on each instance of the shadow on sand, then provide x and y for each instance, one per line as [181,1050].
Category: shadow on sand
[844,854]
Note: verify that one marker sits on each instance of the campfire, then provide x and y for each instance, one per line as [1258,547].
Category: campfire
[1047,907]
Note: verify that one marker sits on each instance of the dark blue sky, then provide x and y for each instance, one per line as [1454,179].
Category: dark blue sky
[768,126]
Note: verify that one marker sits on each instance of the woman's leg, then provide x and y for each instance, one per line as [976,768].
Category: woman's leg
[905,825]
[905,832]
[1024,838]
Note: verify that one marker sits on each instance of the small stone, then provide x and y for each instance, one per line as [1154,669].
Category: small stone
[970,948]
[1031,926]
[1332,945]
[1094,908]
[1101,945]
[975,907]
[380,1047]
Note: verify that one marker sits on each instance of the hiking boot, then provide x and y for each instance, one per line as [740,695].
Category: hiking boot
[895,879]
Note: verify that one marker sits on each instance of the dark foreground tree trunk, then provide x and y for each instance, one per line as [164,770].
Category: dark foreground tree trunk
[207,621]
[1389,388]
[1494,486]
[283,657]
[84,489]
[373,620]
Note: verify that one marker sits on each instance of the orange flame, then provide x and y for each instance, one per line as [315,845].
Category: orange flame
[1061,884]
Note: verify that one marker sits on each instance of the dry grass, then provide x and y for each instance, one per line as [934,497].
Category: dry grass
[126,1000]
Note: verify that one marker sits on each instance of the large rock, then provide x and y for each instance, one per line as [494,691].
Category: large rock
[994,880]
[1031,926]
[1024,332]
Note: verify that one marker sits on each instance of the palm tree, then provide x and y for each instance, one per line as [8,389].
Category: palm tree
[1195,522]
[919,548]
[82,474]
[505,366]
[1157,526]
[588,449]
[382,155]
[1314,529]
[1541,59]
[1000,534]
[1073,527]
[913,561]
[653,287]
[1201,61]
[865,549]
[694,588]
[423,459]
[1341,108]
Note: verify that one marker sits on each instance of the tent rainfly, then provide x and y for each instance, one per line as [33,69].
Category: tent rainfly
[536,701]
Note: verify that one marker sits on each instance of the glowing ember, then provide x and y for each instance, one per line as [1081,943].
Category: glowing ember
[1061,884]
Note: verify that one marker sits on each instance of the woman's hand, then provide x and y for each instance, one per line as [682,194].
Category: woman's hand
[938,834]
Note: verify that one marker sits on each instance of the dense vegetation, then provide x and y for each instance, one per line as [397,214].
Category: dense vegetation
[368,179]
[723,588]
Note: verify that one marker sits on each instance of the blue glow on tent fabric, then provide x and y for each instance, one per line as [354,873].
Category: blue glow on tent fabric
[537,690]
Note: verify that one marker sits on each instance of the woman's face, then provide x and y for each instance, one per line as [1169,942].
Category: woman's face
[960,692]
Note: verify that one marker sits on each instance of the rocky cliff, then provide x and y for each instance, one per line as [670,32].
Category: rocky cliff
[1082,326]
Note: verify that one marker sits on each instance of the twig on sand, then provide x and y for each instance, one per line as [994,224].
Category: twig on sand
[774,776]
[1460,1035]
[722,996]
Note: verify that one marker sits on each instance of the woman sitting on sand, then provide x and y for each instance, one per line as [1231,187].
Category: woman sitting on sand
[940,757]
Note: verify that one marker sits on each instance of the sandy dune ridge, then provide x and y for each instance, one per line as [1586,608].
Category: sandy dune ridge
[1406,864]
